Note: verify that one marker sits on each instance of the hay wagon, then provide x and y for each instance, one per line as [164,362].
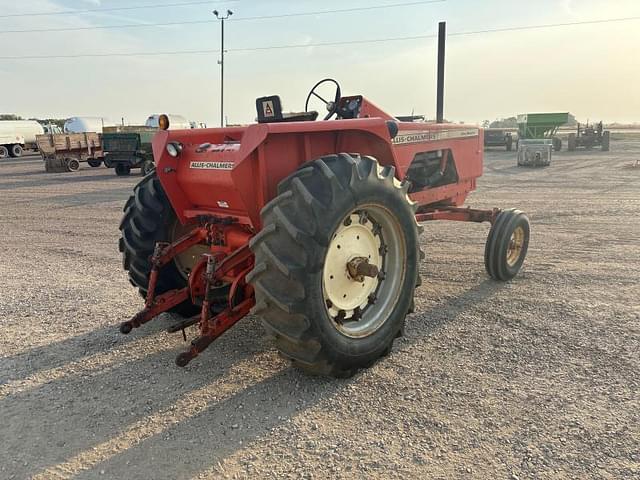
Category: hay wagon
[64,152]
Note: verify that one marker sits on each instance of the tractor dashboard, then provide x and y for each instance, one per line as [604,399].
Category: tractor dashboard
[349,107]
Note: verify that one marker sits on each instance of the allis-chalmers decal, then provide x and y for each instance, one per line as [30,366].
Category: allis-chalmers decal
[212,165]
[407,137]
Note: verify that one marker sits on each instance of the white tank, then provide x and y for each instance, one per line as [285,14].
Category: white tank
[176,122]
[86,124]
[22,128]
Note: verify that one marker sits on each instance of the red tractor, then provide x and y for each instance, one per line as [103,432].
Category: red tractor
[277,219]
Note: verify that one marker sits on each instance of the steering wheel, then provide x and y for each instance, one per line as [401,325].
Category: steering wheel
[332,106]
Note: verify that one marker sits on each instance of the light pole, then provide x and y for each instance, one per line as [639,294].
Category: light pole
[222,18]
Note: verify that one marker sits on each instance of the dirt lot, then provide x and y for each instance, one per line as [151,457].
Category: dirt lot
[537,378]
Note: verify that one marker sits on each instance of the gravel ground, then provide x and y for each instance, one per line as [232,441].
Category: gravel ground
[536,378]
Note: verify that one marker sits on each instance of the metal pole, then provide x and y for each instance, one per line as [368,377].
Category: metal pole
[222,77]
[442,37]
[222,18]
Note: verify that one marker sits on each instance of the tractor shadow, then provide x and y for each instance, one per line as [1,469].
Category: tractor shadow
[65,416]
[58,354]
[223,429]
[72,415]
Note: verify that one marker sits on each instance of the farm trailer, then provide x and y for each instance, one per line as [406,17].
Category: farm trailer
[542,126]
[63,152]
[129,147]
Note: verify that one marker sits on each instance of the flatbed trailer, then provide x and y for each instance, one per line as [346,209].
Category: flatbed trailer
[64,152]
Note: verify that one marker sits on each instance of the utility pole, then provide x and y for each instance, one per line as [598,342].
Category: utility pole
[442,39]
[222,18]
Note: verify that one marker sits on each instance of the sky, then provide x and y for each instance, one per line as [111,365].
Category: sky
[591,70]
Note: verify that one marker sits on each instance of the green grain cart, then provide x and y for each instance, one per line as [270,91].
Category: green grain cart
[542,126]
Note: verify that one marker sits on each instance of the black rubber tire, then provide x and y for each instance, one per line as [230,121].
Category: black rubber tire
[16,150]
[509,144]
[290,250]
[147,167]
[94,162]
[73,165]
[4,152]
[148,218]
[571,142]
[557,144]
[122,170]
[495,253]
[606,141]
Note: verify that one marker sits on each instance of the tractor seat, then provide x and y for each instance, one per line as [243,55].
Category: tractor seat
[270,111]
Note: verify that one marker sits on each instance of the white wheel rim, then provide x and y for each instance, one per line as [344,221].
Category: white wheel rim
[351,240]
[358,307]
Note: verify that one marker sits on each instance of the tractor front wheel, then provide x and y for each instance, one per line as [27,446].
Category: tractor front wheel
[148,219]
[336,264]
[507,245]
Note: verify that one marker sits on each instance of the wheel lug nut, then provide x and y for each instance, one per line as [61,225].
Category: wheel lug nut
[329,303]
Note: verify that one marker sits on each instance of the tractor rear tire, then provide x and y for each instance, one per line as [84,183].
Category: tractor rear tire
[507,245]
[122,170]
[148,219]
[147,167]
[606,141]
[300,273]
[4,151]
[16,150]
